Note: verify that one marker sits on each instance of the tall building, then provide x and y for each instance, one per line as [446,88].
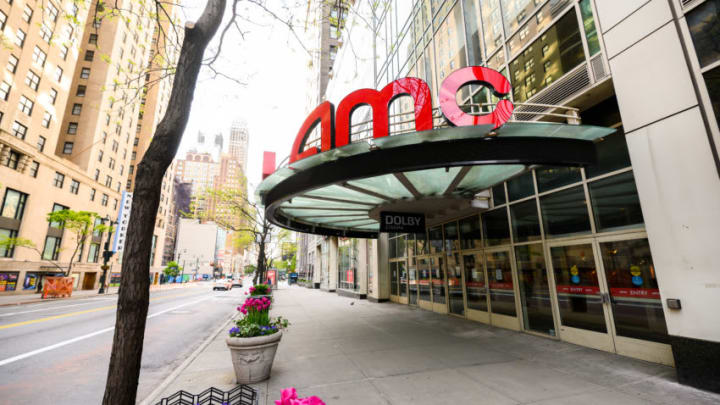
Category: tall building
[199,169]
[68,115]
[238,145]
[618,255]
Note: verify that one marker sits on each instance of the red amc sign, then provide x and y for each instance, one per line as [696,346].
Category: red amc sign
[335,127]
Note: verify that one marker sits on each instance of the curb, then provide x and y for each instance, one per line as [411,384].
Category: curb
[149,400]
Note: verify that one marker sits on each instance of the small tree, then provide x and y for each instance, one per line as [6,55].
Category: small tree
[172,269]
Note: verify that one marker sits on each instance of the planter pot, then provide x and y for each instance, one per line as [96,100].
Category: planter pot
[253,357]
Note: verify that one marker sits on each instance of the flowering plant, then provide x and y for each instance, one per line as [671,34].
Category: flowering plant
[259,289]
[256,320]
[288,396]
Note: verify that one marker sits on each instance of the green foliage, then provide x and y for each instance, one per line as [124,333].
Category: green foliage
[172,269]
[246,328]
[260,289]
[9,243]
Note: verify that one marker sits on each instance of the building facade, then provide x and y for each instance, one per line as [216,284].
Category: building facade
[239,143]
[68,116]
[616,256]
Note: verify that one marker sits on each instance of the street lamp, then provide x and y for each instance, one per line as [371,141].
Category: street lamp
[182,268]
[107,253]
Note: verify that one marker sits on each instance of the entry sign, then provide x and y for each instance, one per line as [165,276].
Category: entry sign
[402,222]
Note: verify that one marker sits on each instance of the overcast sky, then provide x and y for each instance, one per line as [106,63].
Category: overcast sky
[274,67]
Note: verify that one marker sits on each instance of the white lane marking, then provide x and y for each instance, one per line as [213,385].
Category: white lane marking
[87,336]
[52,308]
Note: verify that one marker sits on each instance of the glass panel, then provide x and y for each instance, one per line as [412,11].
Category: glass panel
[401,247]
[413,283]
[565,212]
[612,155]
[340,221]
[343,193]
[451,237]
[411,247]
[5,234]
[472,30]
[437,272]
[320,204]
[435,239]
[589,25]
[539,22]
[424,279]
[475,287]
[555,53]
[502,295]
[454,283]
[421,243]
[534,289]
[14,204]
[470,234]
[520,186]
[393,278]
[549,178]
[637,308]
[387,185]
[615,202]
[704,24]
[712,81]
[450,44]
[484,176]
[498,194]
[492,25]
[525,221]
[432,181]
[577,286]
[392,248]
[403,277]
[295,212]
[496,228]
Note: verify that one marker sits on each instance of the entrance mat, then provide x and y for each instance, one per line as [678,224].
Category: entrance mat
[240,395]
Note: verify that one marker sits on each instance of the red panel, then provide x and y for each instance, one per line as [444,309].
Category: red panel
[379,101]
[325,114]
[268,165]
[499,85]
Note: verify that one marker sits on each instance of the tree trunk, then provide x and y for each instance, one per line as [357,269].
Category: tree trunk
[134,297]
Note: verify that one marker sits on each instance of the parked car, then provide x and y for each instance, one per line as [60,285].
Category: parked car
[222,284]
[237,282]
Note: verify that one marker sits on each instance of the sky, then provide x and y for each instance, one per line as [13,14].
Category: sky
[274,68]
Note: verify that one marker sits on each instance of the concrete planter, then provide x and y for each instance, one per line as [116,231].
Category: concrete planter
[253,357]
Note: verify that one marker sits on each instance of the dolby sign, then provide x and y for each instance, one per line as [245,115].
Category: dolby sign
[402,222]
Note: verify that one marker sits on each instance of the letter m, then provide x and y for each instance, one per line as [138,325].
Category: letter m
[379,101]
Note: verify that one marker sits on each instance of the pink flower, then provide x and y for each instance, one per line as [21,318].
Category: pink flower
[287,396]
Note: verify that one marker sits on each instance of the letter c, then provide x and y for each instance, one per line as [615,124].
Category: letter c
[499,85]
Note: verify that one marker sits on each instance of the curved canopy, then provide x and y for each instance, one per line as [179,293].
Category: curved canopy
[341,191]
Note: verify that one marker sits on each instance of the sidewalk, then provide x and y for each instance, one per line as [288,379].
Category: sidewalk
[21,299]
[350,351]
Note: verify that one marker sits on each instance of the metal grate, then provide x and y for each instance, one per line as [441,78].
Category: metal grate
[598,67]
[240,395]
[562,89]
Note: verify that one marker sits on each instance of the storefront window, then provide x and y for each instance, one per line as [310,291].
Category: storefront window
[495,226]
[437,272]
[525,221]
[424,279]
[470,234]
[637,308]
[534,289]
[8,280]
[615,202]
[435,239]
[451,237]
[498,194]
[475,288]
[421,243]
[565,212]
[502,294]
[347,263]
[704,24]
[403,279]
[520,186]
[548,58]
[394,278]
[549,178]
[401,246]
[612,153]
[454,285]
[31,281]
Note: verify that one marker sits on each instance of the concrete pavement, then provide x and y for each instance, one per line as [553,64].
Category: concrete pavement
[355,352]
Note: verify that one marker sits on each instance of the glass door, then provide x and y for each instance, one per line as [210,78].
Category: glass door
[476,289]
[503,309]
[581,296]
[456,299]
[437,273]
[393,281]
[424,295]
[534,289]
[402,282]
[413,282]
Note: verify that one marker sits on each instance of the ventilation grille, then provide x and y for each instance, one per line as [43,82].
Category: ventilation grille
[598,67]
[555,94]
[686,3]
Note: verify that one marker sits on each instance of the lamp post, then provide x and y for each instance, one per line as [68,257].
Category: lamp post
[107,253]
[182,268]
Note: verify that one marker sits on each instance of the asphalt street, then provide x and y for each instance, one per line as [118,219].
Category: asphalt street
[58,352]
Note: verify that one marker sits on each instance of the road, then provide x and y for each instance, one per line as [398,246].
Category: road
[58,352]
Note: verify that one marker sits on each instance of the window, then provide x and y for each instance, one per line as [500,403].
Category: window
[117,187]
[74,10]
[19,130]
[104,138]
[41,143]
[74,186]
[12,63]
[3,20]
[20,38]
[72,128]
[133,156]
[549,178]
[89,55]
[107,119]
[58,74]
[46,34]
[47,118]
[25,105]
[122,169]
[39,56]
[7,252]
[52,248]
[51,11]
[115,203]
[67,148]
[137,140]
[495,227]
[100,157]
[92,194]
[111,163]
[93,253]
[13,204]
[77,109]
[32,80]
[131,169]
[115,146]
[81,89]
[525,222]
[63,52]
[12,160]
[93,39]
[34,167]
[565,212]
[128,185]
[27,14]
[615,202]
[53,96]
[59,180]
[108,181]
[85,73]
[4,90]
[104,200]
[97,174]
